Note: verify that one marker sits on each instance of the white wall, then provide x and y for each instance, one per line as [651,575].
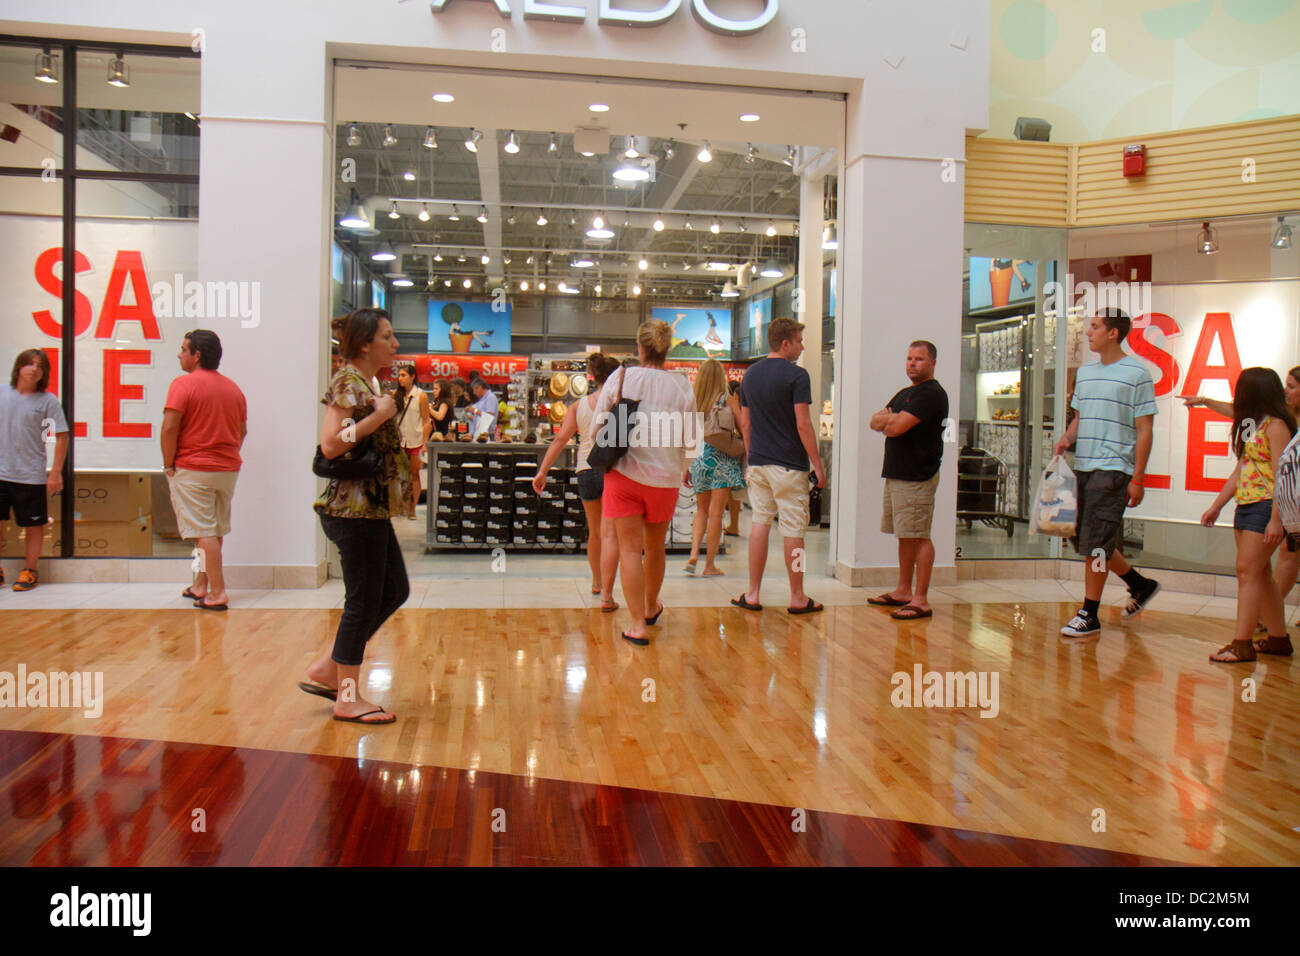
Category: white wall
[917,73]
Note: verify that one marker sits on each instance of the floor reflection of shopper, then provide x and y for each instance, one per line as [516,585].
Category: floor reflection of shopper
[205,419]
[28,414]
[717,468]
[1288,556]
[356,515]
[1115,399]
[640,493]
[775,396]
[1262,426]
[912,424]
[483,412]
[414,423]
[440,413]
[602,536]
[733,503]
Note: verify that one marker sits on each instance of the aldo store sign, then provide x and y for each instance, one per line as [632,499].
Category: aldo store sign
[611,14]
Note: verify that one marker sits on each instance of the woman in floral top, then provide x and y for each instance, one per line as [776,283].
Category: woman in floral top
[355,514]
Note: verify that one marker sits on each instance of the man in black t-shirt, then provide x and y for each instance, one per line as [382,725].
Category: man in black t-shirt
[913,424]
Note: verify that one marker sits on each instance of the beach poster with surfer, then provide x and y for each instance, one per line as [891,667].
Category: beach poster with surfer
[467,327]
[698,333]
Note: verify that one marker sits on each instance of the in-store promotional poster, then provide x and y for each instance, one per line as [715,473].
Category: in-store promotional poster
[996,283]
[468,327]
[698,333]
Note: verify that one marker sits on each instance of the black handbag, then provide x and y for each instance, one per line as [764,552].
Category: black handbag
[365,460]
[611,442]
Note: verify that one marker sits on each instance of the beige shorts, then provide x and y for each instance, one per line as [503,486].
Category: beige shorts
[908,507]
[777,491]
[201,500]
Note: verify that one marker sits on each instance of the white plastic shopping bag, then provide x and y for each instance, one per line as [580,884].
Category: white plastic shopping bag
[1056,506]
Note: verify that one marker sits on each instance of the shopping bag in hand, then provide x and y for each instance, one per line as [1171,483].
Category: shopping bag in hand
[1056,506]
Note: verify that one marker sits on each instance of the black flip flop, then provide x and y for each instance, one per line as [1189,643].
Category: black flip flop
[358,719]
[638,641]
[900,616]
[327,692]
[189,593]
[652,620]
[740,602]
[209,607]
[812,607]
[886,600]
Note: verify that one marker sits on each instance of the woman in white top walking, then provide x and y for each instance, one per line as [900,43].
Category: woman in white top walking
[602,541]
[413,424]
[641,488]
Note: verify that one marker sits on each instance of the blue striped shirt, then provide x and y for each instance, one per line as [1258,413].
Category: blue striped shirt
[1109,400]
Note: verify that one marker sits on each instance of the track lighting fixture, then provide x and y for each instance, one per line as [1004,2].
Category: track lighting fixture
[354,135]
[46,67]
[430,140]
[472,141]
[390,137]
[119,74]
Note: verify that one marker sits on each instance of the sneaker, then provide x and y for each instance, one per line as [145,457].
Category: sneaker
[26,580]
[1137,600]
[1082,624]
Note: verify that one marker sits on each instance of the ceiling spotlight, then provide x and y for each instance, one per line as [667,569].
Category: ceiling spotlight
[443,98]
[424,212]
[586,154]
[455,214]
[1207,240]
[392,212]
[542,285]
[789,157]
[749,117]
[715,227]
[541,218]
[770,231]
[523,285]
[686,266]
[402,282]
[552,146]
[583,261]
[668,151]
[390,137]
[642,265]
[741,226]
[467,283]
[461,256]
[384,253]
[630,152]
[729,290]
[512,220]
[355,217]
[409,175]
[473,139]
[598,288]
[118,74]
[830,236]
[658,224]
[771,269]
[1281,235]
[485,258]
[750,155]
[573,220]
[512,143]
[598,221]
[446,282]
[529,261]
[598,228]
[354,135]
[636,289]
[437,256]
[599,107]
[688,224]
[46,67]
[482,214]
[430,140]
[631,171]
[705,155]
[505,258]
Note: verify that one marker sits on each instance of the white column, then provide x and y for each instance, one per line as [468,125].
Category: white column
[809,282]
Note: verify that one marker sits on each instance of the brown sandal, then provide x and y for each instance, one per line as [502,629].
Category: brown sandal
[1239,651]
[1280,646]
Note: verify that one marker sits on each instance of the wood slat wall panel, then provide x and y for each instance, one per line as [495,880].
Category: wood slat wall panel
[1190,174]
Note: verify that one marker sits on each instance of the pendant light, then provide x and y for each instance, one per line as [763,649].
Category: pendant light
[46,67]
[729,290]
[541,218]
[424,212]
[552,145]
[354,135]
[631,171]
[384,253]
[119,74]
[658,224]
[390,137]
[715,227]
[598,229]
[1281,235]
[512,143]
[455,214]
[482,214]
[430,140]
[770,231]
[1207,240]
[643,265]
[392,211]
[771,269]
[789,157]
[668,151]
[485,258]
[751,154]
[472,141]
[705,155]
[355,217]
[630,152]
[437,255]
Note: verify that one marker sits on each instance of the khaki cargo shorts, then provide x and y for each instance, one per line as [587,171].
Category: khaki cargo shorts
[201,500]
[908,507]
[777,491]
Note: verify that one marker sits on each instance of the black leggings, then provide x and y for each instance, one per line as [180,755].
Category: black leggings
[374,578]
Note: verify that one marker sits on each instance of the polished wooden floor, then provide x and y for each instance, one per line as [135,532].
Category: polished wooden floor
[762,709]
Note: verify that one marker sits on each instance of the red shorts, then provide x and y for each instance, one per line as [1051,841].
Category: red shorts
[625,498]
[415,461]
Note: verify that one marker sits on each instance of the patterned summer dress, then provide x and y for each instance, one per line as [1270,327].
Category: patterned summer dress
[713,469]
[389,492]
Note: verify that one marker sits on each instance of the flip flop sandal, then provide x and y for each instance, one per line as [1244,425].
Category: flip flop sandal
[812,607]
[902,615]
[189,593]
[638,641]
[360,718]
[689,569]
[328,693]
[651,621]
[1236,652]
[595,591]
[210,607]
[740,602]
[1281,646]
[609,608]
[886,600]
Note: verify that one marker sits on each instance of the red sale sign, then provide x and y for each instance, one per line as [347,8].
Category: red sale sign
[493,369]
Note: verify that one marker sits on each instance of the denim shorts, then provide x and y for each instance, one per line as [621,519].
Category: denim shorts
[1254,516]
[591,484]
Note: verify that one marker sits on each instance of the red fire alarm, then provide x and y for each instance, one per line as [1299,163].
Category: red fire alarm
[1135,160]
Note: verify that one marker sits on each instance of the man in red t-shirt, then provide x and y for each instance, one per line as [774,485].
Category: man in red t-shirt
[204,424]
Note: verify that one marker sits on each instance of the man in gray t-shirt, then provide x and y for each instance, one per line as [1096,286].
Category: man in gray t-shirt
[29,418]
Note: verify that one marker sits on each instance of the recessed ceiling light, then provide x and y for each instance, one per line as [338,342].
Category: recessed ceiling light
[443,98]
[658,225]
[749,117]
[409,175]
[599,107]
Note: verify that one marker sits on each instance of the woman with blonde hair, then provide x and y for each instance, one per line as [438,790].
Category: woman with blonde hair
[717,469]
[640,492]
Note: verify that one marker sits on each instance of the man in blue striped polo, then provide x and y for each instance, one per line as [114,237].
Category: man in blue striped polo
[1116,405]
